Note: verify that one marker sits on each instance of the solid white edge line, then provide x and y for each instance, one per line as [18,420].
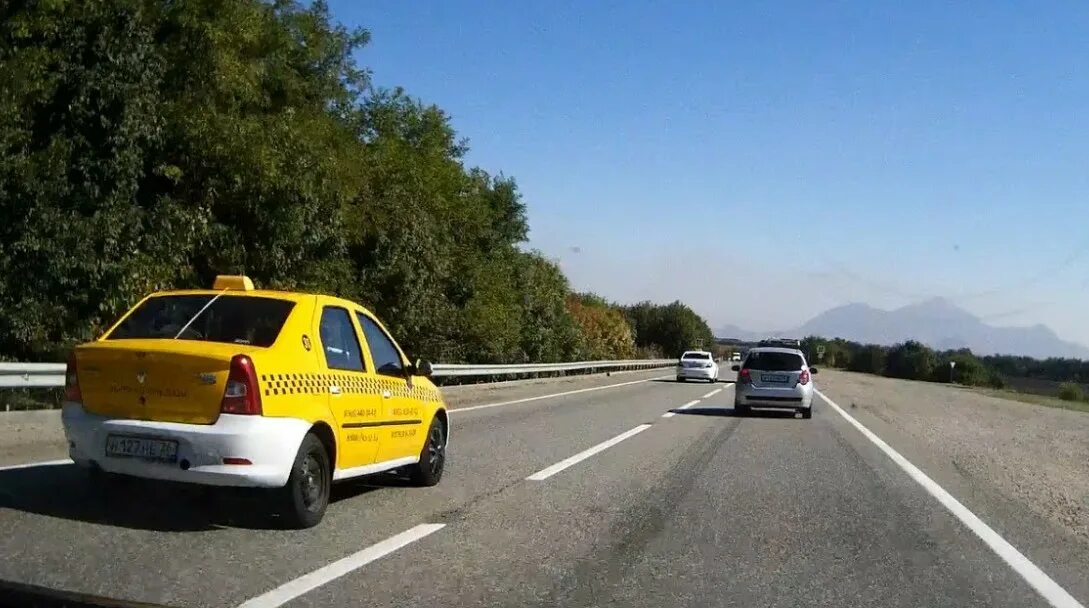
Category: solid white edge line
[712,393]
[551,396]
[1033,575]
[44,463]
[583,455]
[308,582]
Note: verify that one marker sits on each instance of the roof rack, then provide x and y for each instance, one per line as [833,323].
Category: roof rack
[788,342]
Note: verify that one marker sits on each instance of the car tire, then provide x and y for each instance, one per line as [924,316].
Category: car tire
[807,413]
[305,497]
[679,379]
[740,409]
[428,471]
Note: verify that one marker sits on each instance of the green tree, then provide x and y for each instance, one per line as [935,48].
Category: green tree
[671,328]
[606,333]
[148,145]
[911,360]
[869,358]
[968,369]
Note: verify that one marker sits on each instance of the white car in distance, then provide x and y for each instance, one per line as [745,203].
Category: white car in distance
[697,365]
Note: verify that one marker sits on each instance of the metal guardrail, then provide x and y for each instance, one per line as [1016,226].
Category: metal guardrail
[31,375]
[455,369]
[51,375]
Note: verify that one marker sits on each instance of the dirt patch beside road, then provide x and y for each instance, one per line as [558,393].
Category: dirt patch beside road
[1034,455]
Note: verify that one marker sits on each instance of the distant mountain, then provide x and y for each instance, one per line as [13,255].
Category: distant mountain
[935,322]
[733,331]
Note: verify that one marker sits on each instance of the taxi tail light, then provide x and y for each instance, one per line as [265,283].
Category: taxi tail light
[744,376]
[241,395]
[803,378]
[71,381]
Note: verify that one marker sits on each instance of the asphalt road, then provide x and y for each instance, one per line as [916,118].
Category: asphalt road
[697,508]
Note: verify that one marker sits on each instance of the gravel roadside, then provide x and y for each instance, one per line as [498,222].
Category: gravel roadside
[1033,455]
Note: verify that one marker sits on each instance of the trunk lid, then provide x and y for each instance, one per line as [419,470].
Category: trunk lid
[774,369]
[161,380]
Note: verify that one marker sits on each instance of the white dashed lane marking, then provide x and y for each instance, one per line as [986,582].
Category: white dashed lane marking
[308,582]
[583,455]
[673,413]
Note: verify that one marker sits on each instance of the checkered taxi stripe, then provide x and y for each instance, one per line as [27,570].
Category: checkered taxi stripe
[312,384]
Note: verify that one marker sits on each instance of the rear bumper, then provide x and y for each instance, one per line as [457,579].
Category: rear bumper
[270,444]
[797,398]
[701,373]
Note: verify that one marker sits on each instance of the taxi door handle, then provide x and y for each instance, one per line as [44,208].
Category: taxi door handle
[334,389]
[386,394]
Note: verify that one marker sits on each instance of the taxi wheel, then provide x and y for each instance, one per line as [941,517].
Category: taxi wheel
[304,499]
[428,471]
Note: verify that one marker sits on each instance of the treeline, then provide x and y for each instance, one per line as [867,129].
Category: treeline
[909,360]
[148,145]
[916,361]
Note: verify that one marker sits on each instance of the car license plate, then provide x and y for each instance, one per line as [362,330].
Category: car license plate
[774,378]
[140,447]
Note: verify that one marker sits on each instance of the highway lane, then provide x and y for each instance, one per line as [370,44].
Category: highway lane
[698,509]
[704,509]
[164,546]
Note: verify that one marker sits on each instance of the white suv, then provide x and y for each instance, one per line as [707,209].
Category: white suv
[774,377]
[697,364]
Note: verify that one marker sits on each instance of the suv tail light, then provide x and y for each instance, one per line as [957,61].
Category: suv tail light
[803,378]
[241,395]
[71,381]
[744,376]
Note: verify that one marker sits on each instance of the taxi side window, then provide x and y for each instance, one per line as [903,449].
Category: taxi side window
[339,341]
[386,358]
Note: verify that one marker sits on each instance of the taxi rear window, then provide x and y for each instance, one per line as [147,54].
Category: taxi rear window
[250,320]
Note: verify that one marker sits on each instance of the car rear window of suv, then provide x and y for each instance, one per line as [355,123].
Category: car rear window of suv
[250,320]
[774,361]
[695,356]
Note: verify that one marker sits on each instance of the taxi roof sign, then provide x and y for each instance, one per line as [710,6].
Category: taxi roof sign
[234,282]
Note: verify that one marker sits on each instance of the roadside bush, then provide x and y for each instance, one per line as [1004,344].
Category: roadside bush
[911,360]
[869,359]
[1069,391]
[969,370]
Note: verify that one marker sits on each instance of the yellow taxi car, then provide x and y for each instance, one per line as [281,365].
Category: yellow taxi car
[241,387]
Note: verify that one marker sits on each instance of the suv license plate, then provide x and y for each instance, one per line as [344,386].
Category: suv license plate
[774,378]
[122,446]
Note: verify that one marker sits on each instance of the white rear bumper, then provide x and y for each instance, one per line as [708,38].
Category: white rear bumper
[270,444]
[702,373]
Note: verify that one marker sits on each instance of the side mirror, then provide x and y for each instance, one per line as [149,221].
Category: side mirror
[736,368]
[422,368]
[813,370]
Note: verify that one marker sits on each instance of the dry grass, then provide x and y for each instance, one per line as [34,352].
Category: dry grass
[1044,400]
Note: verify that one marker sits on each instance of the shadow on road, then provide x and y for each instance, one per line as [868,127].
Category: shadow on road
[70,492]
[727,412]
[675,381]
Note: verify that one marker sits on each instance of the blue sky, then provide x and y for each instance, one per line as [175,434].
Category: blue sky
[764,162]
